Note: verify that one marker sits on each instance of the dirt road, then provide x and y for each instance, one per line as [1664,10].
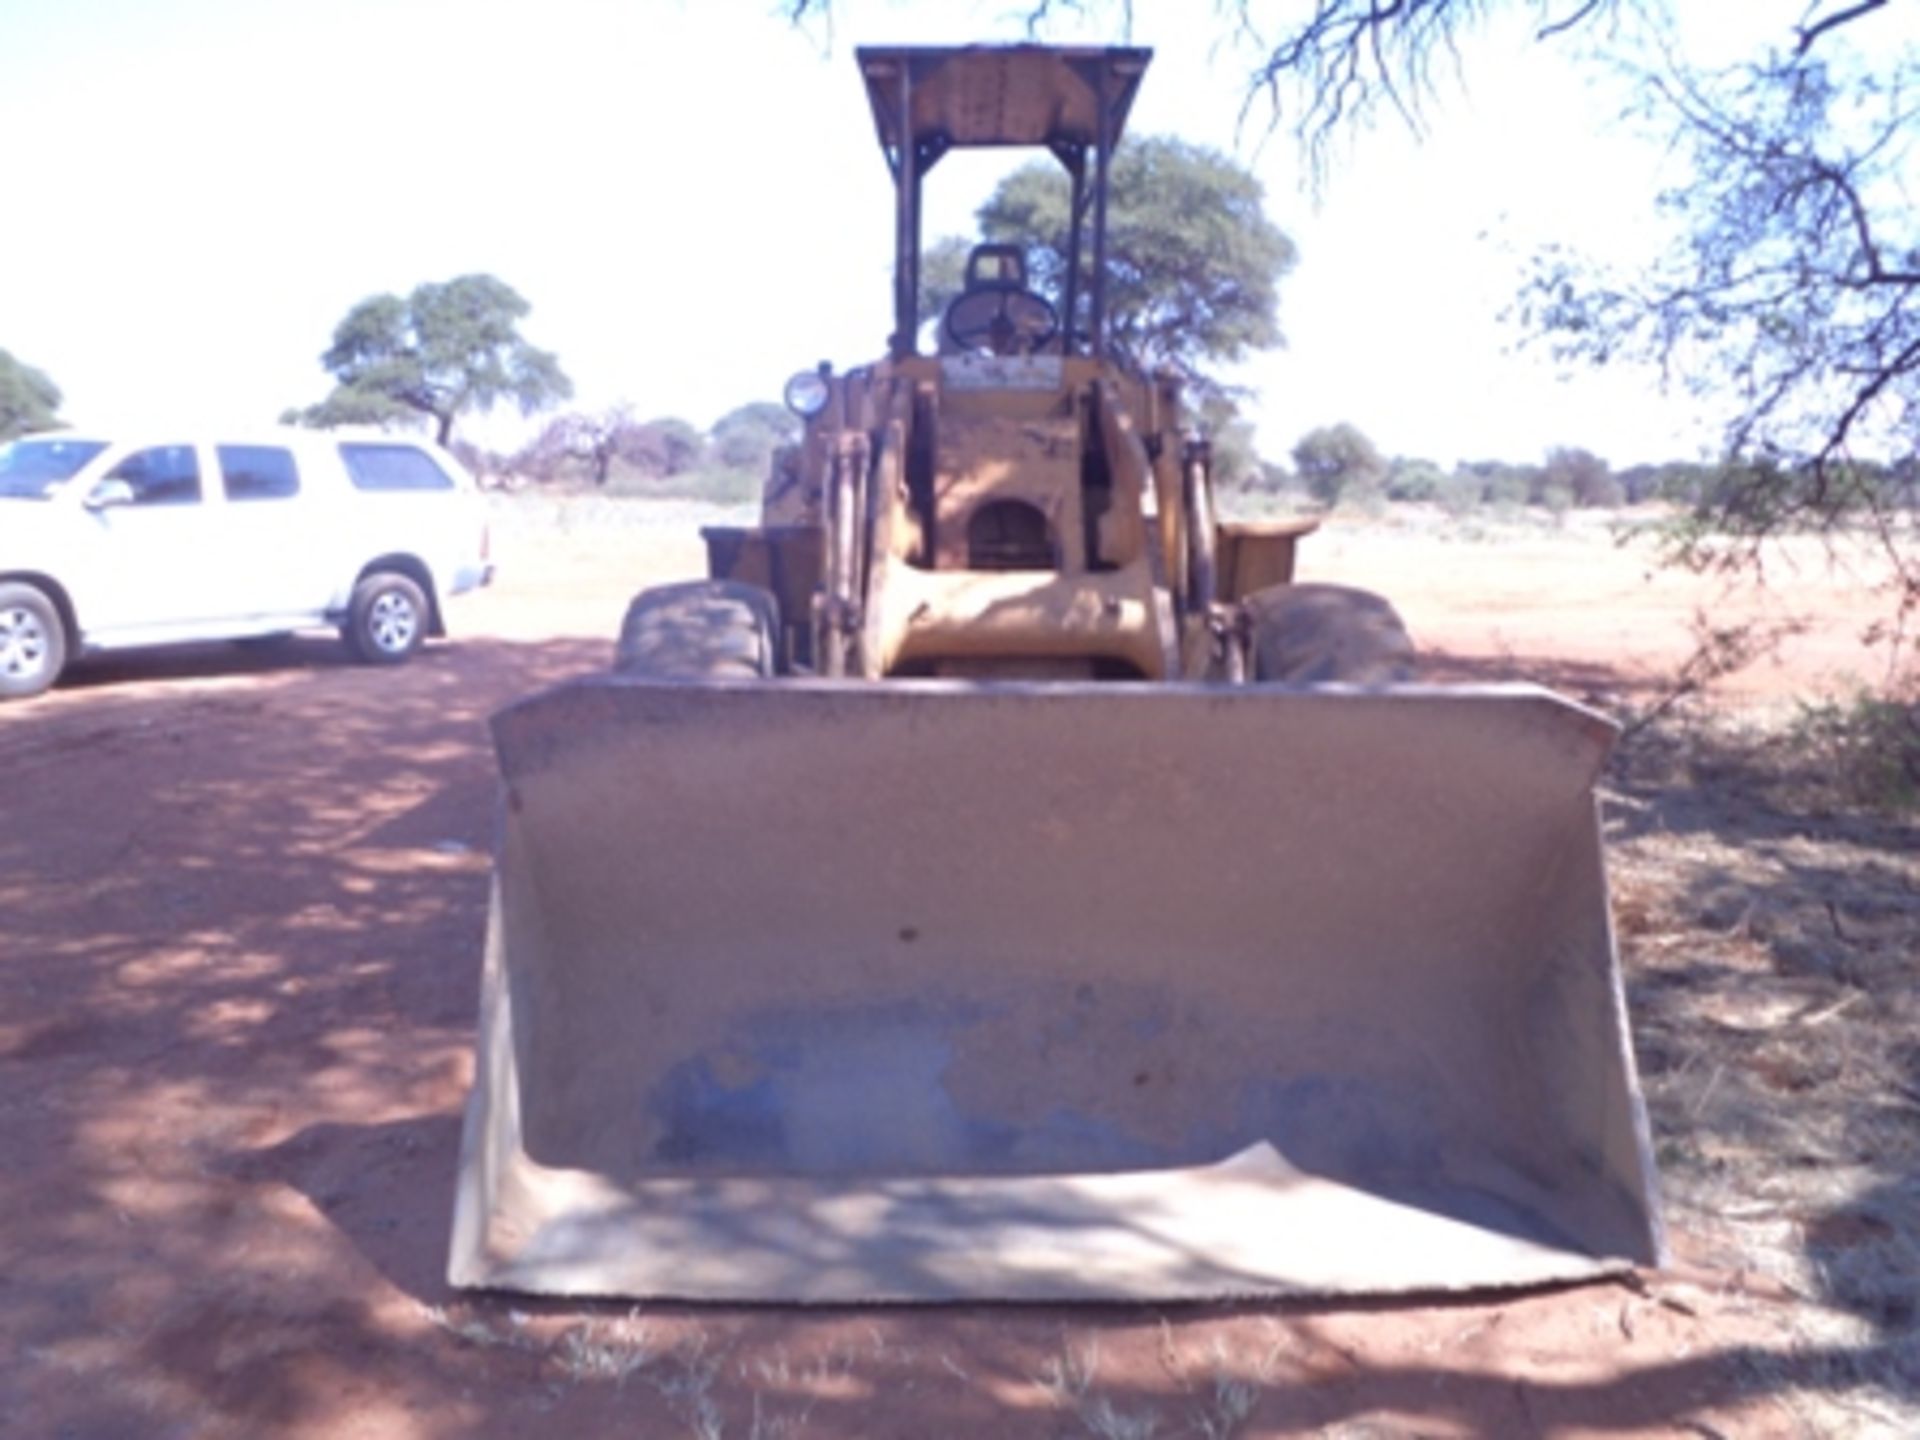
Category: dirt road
[241,901]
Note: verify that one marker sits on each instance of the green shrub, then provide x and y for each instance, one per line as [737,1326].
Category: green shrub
[1460,493]
[1415,481]
[1508,489]
[1869,747]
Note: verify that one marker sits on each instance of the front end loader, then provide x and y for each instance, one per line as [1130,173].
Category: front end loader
[999,880]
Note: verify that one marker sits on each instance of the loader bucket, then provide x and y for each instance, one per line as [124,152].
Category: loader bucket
[920,991]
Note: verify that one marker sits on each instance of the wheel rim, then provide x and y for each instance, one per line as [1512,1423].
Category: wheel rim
[392,622]
[23,643]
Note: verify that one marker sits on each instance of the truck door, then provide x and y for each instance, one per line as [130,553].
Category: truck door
[154,561]
[281,533]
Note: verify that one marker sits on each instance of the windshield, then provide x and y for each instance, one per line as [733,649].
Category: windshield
[29,469]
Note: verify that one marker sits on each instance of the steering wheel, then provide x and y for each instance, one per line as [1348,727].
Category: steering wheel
[1005,320]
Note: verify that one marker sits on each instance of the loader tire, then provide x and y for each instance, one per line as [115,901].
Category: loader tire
[700,630]
[1325,635]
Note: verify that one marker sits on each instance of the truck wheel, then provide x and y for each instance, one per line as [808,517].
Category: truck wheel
[33,642]
[700,630]
[1327,634]
[386,619]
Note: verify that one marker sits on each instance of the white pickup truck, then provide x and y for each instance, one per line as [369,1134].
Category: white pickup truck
[109,544]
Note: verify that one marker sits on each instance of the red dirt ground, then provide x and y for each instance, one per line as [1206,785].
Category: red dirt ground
[242,900]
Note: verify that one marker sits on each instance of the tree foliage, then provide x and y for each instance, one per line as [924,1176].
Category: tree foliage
[1582,477]
[1793,297]
[1338,462]
[582,445]
[943,274]
[490,468]
[579,447]
[746,437]
[1409,478]
[29,401]
[1236,454]
[670,446]
[447,348]
[1790,301]
[1499,483]
[1193,263]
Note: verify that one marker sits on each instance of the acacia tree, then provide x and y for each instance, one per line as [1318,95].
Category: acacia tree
[1193,263]
[29,401]
[447,348]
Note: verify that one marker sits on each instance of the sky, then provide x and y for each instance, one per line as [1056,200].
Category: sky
[689,194]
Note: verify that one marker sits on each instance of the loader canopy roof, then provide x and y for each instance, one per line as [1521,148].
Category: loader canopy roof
[1000,94]
[1071,100]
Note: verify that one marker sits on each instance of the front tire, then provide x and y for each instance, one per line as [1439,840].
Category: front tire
[1327,635]
[33,641]
[386,619]
[700,630]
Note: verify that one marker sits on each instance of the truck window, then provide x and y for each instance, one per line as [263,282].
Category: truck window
[392,467]
[257,472]
[162,475]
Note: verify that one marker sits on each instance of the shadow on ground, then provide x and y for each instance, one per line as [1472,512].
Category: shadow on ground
[243,892]
[268,655]
[243,899]
[1770,934]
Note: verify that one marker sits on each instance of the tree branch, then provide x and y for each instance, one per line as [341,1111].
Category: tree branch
[1569,20]
[1906,362]
[1810,33]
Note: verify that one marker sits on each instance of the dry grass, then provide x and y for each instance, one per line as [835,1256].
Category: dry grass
[1770,942]
[1219,1387]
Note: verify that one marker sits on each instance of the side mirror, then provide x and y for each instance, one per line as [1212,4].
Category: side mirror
[109,493]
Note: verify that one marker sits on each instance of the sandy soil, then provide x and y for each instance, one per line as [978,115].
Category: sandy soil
[242,898]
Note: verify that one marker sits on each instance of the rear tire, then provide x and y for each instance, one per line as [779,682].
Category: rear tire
[386,619]
[33,641]
[1326,635]
[700,630]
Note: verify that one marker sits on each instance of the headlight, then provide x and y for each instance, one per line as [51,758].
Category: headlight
[807,394]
